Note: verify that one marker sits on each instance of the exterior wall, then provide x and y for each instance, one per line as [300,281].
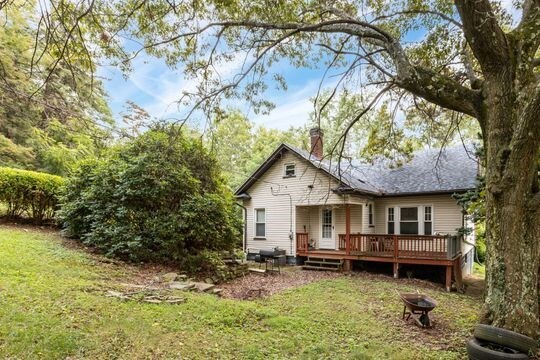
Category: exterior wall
[356,219]
[366,228]
[310,187]
[447,216]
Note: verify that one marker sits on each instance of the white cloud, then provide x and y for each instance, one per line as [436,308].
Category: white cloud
[156,87]
[292,108]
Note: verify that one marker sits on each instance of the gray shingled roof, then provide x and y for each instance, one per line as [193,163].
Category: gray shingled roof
[430,170]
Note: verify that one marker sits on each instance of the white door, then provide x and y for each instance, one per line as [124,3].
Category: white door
[327,230]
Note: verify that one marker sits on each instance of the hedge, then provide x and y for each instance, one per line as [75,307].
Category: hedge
[29,193]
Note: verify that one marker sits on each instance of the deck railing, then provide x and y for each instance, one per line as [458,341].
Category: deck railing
[396,246]
[401,246]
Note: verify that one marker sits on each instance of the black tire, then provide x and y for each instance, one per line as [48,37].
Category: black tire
[477,350]
[506,338]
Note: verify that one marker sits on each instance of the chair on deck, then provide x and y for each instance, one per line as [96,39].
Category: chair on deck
[388,244]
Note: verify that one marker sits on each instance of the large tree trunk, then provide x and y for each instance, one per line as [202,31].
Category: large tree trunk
[512,215]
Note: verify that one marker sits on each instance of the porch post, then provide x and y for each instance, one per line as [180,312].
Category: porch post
[347,228]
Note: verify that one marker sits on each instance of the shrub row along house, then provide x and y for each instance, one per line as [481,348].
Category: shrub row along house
[353,211]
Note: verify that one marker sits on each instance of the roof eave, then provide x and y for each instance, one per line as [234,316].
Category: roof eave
[349,190]
[434,192]
[261,169]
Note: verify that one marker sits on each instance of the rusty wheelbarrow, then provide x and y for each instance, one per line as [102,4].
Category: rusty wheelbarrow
[418,304]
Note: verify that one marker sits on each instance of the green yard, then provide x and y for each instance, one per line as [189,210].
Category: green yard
[52,305]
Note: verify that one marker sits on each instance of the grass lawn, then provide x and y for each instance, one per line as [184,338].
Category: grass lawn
[52,305]
[479,269]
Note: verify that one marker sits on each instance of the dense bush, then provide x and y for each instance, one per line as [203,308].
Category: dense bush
[157,197]
[29,193]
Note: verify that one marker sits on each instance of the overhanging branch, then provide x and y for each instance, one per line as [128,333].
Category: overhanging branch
[484,35]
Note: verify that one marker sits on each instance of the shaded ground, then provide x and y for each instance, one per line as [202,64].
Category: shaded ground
[53,304]
[474,285]
[256,285]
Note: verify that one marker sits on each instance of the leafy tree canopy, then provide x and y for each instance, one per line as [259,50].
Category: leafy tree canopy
[51,113]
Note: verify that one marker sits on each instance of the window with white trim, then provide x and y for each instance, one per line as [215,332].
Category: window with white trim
[408,220]
[428,224]
[289,170]
[391,227]
[370,215]
[260,223]
[411,220]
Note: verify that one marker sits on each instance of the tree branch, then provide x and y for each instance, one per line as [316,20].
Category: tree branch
[421,12]
[443,91]
[484,35]
[527,33]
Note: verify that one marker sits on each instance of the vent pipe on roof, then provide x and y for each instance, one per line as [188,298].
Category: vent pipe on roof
[316,136]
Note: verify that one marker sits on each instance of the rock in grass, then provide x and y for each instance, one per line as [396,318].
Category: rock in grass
[217,291]
[203,287]
[170,277]
[152,301]
[175,301]
[181,285]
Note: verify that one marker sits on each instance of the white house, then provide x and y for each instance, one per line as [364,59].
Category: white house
[352,211]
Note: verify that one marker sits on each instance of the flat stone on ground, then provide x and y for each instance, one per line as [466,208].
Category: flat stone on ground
[181,285]
[170,277]
[203,287]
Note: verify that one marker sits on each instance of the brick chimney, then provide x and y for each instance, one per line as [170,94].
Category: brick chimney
[316,136]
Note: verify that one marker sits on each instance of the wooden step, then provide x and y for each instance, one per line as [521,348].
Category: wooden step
[319,259]
[322,263]
[308,267]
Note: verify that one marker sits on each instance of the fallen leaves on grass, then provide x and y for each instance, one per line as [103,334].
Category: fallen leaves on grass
[255,285]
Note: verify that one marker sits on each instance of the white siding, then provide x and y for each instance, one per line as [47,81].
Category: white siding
[446,213]
[310,187]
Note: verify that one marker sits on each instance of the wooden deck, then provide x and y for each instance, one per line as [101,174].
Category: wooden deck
[396,249]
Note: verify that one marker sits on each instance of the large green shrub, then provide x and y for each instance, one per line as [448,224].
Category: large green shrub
[29,193]
[158,197]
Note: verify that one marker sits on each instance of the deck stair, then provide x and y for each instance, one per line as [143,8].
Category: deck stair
[317,263]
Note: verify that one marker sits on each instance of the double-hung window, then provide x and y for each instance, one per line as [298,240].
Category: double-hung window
[391,221]
[260,223]
[428,220]
[371,221]
[408,220]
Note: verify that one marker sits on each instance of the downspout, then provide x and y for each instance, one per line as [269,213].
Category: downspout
[291,237]
[244,236]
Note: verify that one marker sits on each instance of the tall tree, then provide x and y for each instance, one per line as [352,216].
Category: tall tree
[472,60]
[51,112]
[240,146]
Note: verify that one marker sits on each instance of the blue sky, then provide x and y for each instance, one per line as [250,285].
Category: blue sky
[156,87]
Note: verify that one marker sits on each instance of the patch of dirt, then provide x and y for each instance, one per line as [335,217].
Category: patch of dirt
[256,285]
[474,286]
[9,223]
